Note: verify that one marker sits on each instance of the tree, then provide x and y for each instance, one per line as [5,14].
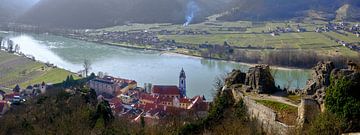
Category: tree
[343,100]
[17,48]
[10,46]
[100,74]
[1,42]
[87,67]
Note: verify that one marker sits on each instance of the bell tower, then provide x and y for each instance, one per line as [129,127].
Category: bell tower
[182,83]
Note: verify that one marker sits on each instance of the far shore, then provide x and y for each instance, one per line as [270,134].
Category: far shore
[247,64]
[181,54]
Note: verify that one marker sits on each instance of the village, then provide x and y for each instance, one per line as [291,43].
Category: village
[126,99]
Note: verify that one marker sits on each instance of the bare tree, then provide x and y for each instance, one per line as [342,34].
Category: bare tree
[10,46]
[87,67]
[17,48]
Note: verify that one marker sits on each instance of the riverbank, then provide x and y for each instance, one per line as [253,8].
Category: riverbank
[182,53]
[247,64]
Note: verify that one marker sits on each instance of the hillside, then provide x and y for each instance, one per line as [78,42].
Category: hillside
[260,10]
[9,9]
[94,13]
[19,70]
[348,12]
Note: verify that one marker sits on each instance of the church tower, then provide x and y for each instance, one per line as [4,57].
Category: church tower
[182,83]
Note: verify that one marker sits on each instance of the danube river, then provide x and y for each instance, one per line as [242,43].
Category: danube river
[140,65]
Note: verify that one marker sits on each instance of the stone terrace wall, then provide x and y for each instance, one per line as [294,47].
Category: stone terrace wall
[264,115]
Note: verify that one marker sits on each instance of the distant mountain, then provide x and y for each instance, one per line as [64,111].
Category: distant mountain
[104,13]
[348,12]
[9,9]
[260,10]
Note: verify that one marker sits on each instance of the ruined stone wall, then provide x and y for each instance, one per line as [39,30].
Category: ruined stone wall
[265,116]
[307,111]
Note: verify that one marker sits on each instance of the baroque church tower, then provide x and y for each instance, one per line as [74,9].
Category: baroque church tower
[182,83]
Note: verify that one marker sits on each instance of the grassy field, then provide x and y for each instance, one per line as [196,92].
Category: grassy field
[18,70]
[285,113]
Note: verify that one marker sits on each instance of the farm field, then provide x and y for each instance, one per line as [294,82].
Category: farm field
[18,70]
[253,35]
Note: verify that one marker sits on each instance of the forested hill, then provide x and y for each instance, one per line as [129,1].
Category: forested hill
[104,13]
[9,9]
[260,10]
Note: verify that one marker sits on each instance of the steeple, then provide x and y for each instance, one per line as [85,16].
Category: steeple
[182,83]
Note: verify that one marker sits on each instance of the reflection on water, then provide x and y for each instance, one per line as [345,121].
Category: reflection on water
[143,66]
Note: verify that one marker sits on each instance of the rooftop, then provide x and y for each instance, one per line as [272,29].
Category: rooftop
[166,90]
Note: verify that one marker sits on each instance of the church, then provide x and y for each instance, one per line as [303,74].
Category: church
[171,91]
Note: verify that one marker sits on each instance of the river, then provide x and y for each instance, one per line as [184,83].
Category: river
[144,66]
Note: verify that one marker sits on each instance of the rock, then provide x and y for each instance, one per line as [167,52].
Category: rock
[321,77]
[323,71]
[260,80]
[235,77]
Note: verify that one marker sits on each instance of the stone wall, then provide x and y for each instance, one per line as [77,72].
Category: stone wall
[307,111]
[265,116]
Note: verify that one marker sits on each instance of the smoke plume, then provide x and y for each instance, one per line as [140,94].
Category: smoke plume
[192,9]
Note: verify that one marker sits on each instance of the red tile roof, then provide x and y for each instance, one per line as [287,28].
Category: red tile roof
[166,90]
[11,96]
[145,96]
[185,100]
[165,99]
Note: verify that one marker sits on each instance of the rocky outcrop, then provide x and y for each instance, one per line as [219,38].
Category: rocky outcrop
[322,74]
[235,77]
[260,80]
[320,77]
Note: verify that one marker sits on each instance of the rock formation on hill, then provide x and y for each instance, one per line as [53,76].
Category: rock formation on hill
[258,79]
[322,74]
[320,78]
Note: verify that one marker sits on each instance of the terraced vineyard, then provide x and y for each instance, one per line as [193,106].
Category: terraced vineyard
[18,70]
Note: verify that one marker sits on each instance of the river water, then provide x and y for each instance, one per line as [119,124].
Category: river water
[141,65]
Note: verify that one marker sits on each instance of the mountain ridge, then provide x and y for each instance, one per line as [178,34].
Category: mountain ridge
[105,13]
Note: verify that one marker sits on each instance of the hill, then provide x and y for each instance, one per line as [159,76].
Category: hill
[348,12]
[95,13]
[260,10]
[11,8]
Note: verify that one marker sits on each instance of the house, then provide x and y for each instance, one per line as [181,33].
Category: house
[112,86]
[2,95]
[301,30]
[116,106]
[125,98]
[4,107]
[29,90]
[10,96]
[274,34]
